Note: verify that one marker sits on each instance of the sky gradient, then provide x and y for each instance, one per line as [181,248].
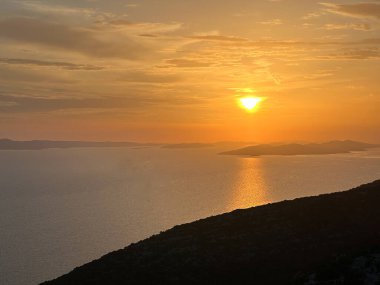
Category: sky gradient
[172,71]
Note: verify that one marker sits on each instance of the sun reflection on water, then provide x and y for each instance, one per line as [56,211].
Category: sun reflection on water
[249,188]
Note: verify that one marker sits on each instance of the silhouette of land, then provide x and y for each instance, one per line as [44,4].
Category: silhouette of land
[326,239]
[205,145]
[188,145]
[44,144]
[333,147]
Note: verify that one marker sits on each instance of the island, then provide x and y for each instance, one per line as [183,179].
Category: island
[327,239]
[7,144]
[333,147]
[187,145]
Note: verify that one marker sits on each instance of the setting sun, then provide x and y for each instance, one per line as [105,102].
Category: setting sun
[249,103]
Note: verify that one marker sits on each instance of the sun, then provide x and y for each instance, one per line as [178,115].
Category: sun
[249,103]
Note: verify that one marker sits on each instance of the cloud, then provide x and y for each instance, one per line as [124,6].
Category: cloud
[318,75]
[118,22]
[132,5]
[357,27]
[114,24]
[264,44]
[32,104]
[311,16]
[148,35]
[87,42]
[359,10]
[132,100]
[58,64]
[145,27]
[273,22]
[55,9]
[187,63]
[355,54]
[19,77]
[375,41]
[144,77]
[244,42]
[7,104]
[218,38]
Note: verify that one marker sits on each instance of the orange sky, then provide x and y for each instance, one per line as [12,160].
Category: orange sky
[172,71]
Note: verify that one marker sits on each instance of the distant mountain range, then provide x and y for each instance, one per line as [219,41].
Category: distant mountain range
[333,147]
[327,239]
[44,144]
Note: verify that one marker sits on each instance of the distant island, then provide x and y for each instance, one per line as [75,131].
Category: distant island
[7,144]
[187,145]
[326,239]
[223,144]
[333,147]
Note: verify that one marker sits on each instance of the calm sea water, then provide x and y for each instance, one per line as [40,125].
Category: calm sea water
[62,208]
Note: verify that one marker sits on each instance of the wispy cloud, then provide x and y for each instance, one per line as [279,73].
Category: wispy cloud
[59,64]
[354,54]
[42,8]
[351,26]
[359,10]
[221,38]
[273,22]
[148,77]
[144,27]
[87,42]
[182,62]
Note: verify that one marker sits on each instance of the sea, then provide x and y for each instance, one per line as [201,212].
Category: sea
[61,208]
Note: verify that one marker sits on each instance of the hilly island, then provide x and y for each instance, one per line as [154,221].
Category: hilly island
[327,239]
[332,147]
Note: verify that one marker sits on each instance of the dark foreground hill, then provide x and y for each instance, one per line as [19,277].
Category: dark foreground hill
[328,239]
[333,147]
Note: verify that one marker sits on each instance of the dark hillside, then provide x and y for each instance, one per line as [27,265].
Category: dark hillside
[315,240]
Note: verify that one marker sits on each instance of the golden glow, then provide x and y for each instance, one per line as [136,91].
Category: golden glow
[162,79]
[250,188]
[249,103]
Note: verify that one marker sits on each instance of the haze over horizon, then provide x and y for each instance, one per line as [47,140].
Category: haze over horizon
[173,71]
